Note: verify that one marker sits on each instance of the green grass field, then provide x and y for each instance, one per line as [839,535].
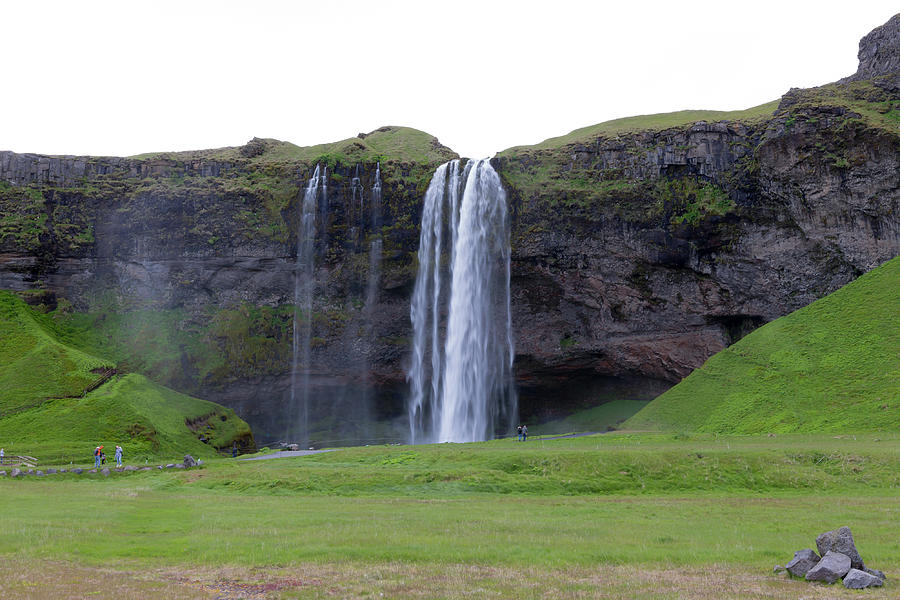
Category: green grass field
[831,366]
[620,515]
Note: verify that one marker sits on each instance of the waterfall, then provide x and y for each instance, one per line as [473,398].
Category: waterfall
[461,386]
[373,282]
[375,246]
[314,203]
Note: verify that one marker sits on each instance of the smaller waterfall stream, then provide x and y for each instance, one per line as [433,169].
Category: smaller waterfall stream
[314,203]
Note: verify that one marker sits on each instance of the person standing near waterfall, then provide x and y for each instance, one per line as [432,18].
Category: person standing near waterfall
[118,456]
[519,433]
[524,432]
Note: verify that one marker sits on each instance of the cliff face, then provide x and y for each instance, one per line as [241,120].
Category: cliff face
[640,248]
[688,238]
[181,266]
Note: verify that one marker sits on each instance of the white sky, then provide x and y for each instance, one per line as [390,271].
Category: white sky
[127,76]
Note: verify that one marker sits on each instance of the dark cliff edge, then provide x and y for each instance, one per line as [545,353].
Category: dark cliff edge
[643,246]
[640,246]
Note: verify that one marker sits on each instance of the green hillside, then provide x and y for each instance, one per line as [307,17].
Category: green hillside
[34,366]
[831,366]
[391,143]
[47,410]
[654,122]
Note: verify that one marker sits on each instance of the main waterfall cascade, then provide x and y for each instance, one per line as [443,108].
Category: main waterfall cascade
[314,203]
[461,382]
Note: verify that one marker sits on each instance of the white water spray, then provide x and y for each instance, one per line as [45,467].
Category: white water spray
[304,285]
[461,384]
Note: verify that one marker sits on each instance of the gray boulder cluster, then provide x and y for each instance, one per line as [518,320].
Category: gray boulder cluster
[837,559]
[189,461]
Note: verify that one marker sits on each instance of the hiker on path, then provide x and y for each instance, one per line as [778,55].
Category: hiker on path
[98,452]
[519,433]
[524,432]
[118,456]
[234,451]
[2,454]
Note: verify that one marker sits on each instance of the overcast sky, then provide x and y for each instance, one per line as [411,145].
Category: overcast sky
[125,77]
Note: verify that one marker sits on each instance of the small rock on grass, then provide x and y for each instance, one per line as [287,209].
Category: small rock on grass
[78,471]
[857,580]
[803,561]
[105,471]
[15,472]
[832,567]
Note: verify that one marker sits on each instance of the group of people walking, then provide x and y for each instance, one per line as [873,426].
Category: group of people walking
[522,433]
[100,456]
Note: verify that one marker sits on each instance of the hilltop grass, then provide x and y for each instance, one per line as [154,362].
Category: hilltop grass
[873,106]
[380,518]
[391,143]
[45,411]
[654,122]
[831,366]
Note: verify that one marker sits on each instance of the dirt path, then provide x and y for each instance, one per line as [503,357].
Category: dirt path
[288,454]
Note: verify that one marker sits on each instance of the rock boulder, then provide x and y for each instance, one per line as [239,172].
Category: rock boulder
[803,561]
[840,540]
[857,580]
[832,567]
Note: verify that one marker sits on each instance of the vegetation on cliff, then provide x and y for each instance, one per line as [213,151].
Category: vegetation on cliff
[59,402]
[625,168]
[831,366]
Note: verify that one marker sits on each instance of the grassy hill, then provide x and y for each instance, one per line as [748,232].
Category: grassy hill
[47,410]
[654,122]
[862,98]
[398,144]
[831,366]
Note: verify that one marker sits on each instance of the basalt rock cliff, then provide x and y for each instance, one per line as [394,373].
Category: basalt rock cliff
[640,247]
